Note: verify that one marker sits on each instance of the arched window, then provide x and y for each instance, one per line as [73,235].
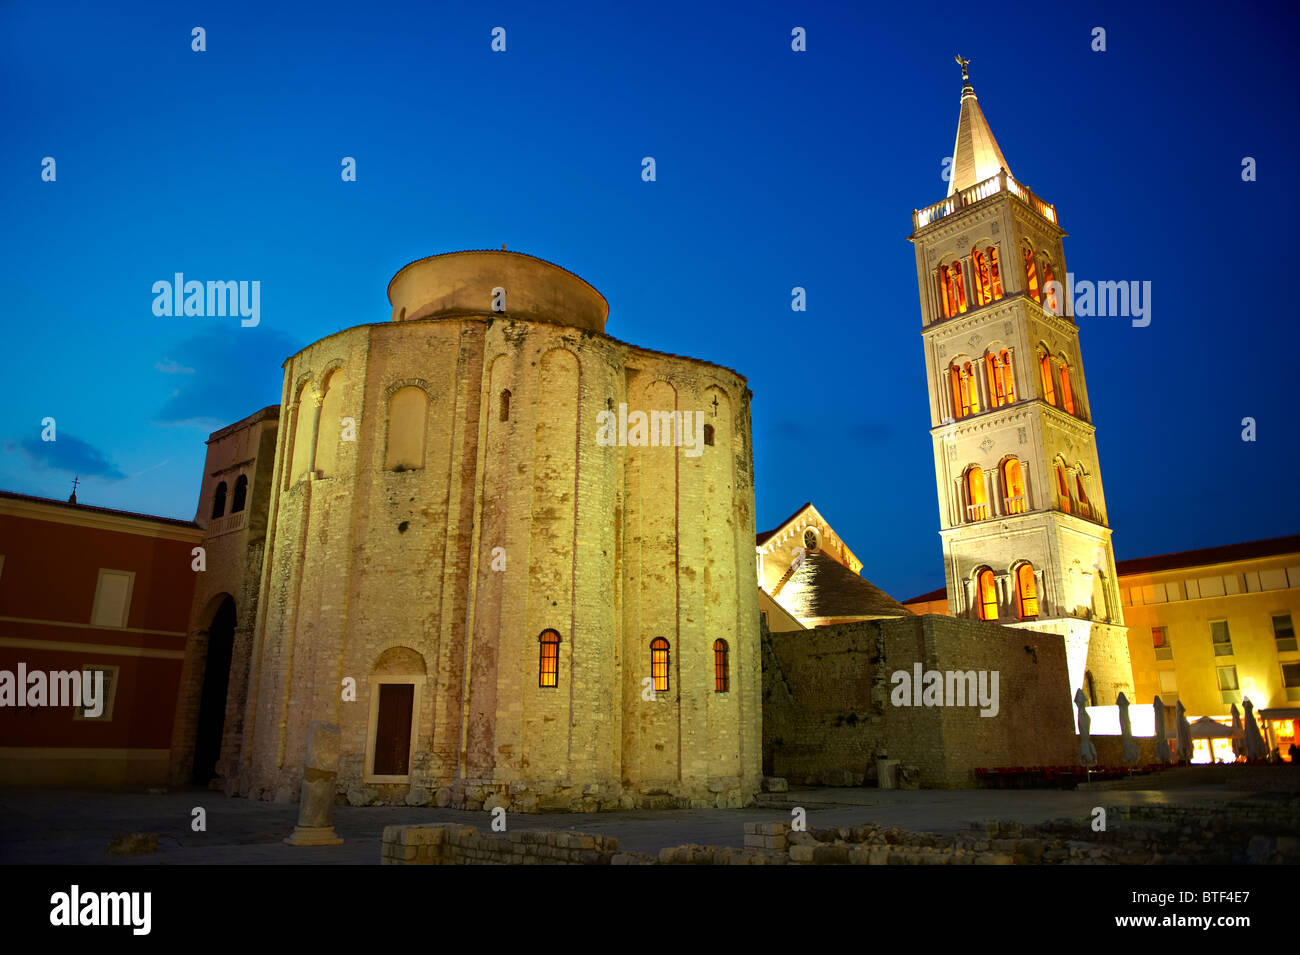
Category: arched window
[965,389]
[548,666]
[1067,392]
[1002,388]
[1031,274]
[241,494]
[659,664]
[1084,507]
[708,435]
[995,277]
[1013,483]
[980,266]
[1049,288]
[947,297]
[987,595]
[329,432]
[304,416]
[1026,591]
[503,413]
[1062,489]
[721,676]
[1045,373]
[977,506]
[958,287]
[219,501]
[407,409]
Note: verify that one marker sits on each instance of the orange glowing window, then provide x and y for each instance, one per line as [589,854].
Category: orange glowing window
[995,278]
[958,287]
[983,293]
[659,664]
[1049,288]
[548,668]
[947,297]
[965,390]
[978,507]
[1045,372]
[988,595]
[1084,507]
[1002,389]
[1067,392]
[1027,591]
[1013,481]
[721,675]
[1062,489]
[1031,274]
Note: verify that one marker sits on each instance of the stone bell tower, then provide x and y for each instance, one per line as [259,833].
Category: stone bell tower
[1022,512]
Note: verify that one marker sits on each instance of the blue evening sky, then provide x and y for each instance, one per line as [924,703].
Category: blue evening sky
[775,169]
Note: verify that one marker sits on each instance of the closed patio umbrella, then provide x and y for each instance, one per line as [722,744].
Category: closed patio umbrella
[1087,752]
[1162,741]
[1126,730]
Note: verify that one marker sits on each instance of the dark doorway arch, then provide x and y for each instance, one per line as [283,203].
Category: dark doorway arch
[212,701]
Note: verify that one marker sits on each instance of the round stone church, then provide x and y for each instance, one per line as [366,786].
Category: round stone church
[510,556]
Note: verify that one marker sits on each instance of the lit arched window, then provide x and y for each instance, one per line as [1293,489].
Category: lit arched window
[980,266]
[995,277]
[947,297]
[241,494]
[1084,507]
[1027,591]
[1049,288]
[977,508]
[1013,483]
[1002,388]
[659,664]
[1067,392]
[958,287]
[329,431]
[987,595]
[965,389]
[1031,273]
[548,667]
[721,677]
[1045,373]
[407,409]
[503,413]
[1062,489]
[708,435]
[219,501]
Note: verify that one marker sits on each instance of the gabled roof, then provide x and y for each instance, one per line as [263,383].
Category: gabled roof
[975,155]
[823,587]
[765,536]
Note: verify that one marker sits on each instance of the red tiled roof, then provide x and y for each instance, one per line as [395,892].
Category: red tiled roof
[1247,550]
[98,510]
[940,594]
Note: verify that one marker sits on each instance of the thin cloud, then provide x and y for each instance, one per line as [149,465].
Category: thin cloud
[67,453]
[169,366]
[232,372]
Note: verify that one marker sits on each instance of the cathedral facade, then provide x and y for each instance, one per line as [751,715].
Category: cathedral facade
[508,555]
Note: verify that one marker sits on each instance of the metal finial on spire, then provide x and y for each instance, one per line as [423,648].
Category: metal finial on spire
[72,499]
[963,63]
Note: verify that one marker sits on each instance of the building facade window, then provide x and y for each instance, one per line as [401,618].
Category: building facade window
[708,435]
[109,692]
[977,507]
[1045,374]
[659,664]
[1221,638]
[721,673]
[240,497]
[1062,489]
[965,389]
[112,607]
[986,595]
[1013,484]
[503,409]
[408,410]
[1085,508]
[1031,274]
[947,297]
[1067,392]
[995,277]
[1049,288]
[548,666]
[219,501]
[958,287]
[1002,387]
[1027,591]
[1284,632]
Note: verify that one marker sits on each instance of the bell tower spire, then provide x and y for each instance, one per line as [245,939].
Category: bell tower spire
[1022,513]
[975,155]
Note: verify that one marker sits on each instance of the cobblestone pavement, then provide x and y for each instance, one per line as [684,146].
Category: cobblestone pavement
[70,827]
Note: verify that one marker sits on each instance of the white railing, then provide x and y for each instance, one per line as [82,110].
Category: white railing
[980,191]
[227,524]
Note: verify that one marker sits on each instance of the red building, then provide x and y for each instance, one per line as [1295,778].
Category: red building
[85,588]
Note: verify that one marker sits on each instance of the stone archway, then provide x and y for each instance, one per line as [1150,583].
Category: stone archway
[212,697]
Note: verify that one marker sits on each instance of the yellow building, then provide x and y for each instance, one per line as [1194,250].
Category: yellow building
[1210,628]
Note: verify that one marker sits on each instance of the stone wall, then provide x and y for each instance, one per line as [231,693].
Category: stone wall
[828,715]
[453,844]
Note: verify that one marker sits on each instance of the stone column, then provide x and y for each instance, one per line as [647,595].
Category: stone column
[316,810]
